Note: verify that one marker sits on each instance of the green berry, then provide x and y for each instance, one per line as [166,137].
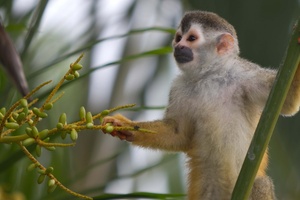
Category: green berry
[3,110]
[43,134]
[11,125]
[76,74]
[31,167]
[74,135]
[41,178]
[82,113]
[35,132]
[51,182]
[90,125]
[48,106]
[63,118]
[29,131]
[59,126]
[49,170]
[69,77]
[109,129]
[38,150]
[28,141]
[42,114]
[36,111]
[76,67]
[52,148]
[15,115]
[104,112]
[89,117]
[30,122]
[24,103]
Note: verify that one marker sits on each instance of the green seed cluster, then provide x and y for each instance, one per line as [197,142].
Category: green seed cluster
[74,71]
[62,124]
[39,113]
[103,114]
[23,116]
[15,118]
[43,173]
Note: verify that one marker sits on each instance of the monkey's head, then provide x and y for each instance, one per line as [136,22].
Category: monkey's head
[203,39]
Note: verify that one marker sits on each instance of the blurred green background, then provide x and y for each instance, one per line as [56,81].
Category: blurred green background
[50,35]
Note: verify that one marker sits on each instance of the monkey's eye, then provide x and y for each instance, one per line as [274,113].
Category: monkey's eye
[191,38]
[178,38]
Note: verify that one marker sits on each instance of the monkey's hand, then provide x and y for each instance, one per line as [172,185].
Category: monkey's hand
[158,134]
[263,189]
[119,121]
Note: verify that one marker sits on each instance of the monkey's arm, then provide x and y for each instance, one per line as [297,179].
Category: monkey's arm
[166,136]
[292,101]
[259,86]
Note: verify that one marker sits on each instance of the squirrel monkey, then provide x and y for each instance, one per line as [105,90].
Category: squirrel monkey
[214,108]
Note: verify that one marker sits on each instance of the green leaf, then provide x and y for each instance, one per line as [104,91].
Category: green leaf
[91,44]
[155,52]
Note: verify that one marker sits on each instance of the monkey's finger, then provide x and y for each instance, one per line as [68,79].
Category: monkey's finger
[118,134]
[114,133]
[130,138]
[11,62]
[111,120]
[123,135]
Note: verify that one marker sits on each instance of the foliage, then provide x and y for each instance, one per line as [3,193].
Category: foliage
[24,116]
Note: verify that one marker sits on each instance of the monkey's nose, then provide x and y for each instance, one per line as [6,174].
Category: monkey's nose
[183,54]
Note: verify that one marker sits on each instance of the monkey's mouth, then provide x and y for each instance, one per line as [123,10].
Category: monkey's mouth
[183,55]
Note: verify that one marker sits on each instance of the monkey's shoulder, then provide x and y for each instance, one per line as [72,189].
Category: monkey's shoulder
[210,83]
[215,88]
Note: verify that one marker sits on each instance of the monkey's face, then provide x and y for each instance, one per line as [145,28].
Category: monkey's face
[187,46]
[194,50]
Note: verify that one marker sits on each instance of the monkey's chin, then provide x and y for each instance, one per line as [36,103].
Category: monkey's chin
[186,67]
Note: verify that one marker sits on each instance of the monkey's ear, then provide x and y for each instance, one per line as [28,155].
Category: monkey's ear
[225,43]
